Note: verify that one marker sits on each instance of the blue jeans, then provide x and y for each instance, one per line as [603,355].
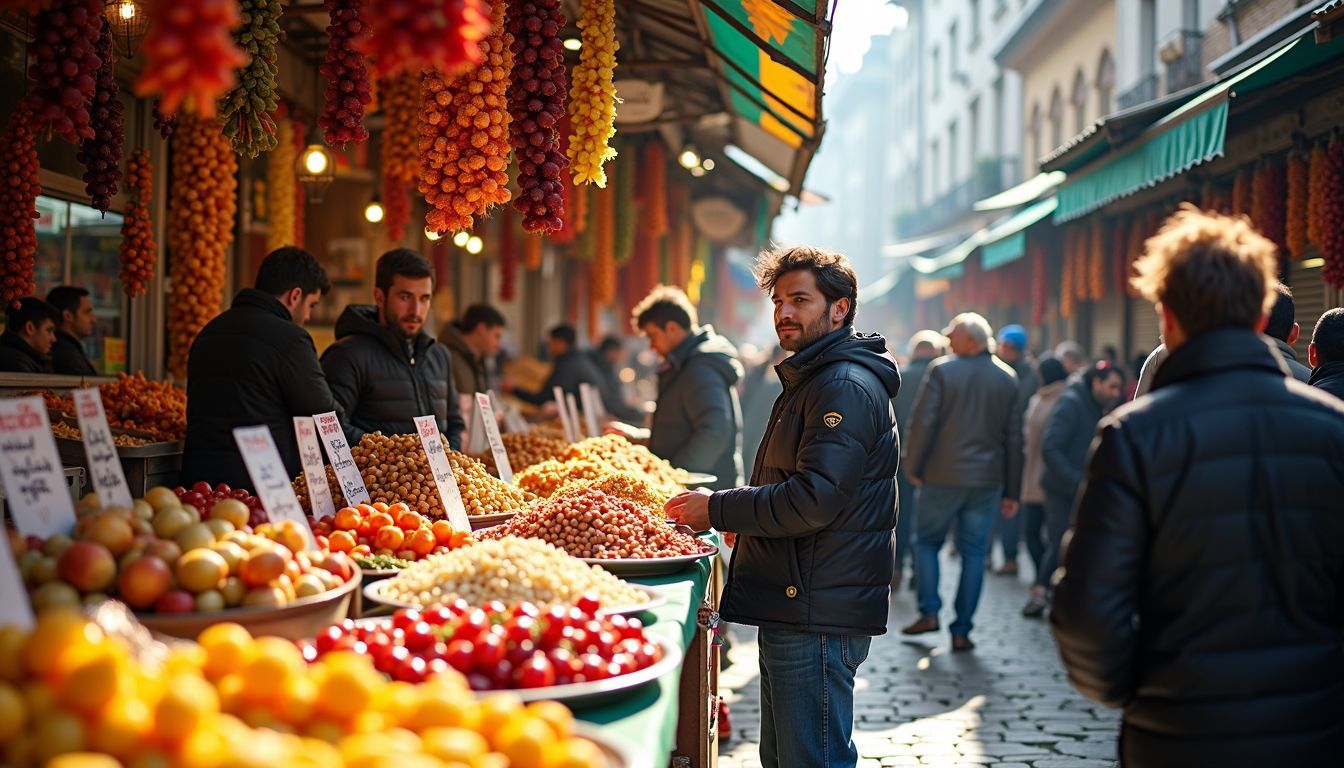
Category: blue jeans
[1057,511]
[807,698]
[1033,530]
[905,522]
[974,510]
[1007,530]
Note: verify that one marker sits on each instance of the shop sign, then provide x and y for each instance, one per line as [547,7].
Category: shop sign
[114,354]
[718,218]
[338,451]
[30,468]
[487,413]
[639,101]
[109,479]
[270,478]
[449,494]
[314,471]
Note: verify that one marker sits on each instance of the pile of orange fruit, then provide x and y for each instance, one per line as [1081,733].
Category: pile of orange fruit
[394,530]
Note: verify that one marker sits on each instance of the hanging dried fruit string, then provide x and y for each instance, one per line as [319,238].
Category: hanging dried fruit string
[396,207]
[100,154]
[138,252]
[532,252]
[248,111]
[537,103]
[200,230]
[1120,233]
[18,206]
[464,136]
[190,56]
[1081,242]
[604,245]
[348,90]
[585,242]
[1332,214]
[300,197]
[281,200]
[64,67]
[400,153]
[1268,189]
[1241,193]
[653,188]
[1295,204]
[415,35]
[627,211]
[508,257]
[592,95]
[1066,279]
[1040,283]
[1315,188]
[1096,261]
[164,124]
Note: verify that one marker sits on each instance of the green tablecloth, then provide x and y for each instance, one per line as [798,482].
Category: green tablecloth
[645,723]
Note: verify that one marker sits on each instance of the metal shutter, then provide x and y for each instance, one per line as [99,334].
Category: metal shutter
[1311,297]
[1108,325]
[1145,328]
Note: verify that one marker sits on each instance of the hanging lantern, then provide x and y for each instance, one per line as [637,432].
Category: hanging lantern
[129,21]
[316,167]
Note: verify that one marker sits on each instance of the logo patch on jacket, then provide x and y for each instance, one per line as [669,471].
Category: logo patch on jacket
[832,419]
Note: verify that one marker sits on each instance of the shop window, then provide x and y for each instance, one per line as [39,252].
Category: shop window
[1079,99]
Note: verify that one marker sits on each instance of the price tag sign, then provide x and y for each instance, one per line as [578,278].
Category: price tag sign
[14,607]
[270,478]
[571,429]
[474,439]
[592,408]
[347,474]
[487,410]
[514,421]
[573,406]
[30,468]
[314,471]
[449,494]
[109,479]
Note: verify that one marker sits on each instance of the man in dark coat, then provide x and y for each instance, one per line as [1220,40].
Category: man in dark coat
[1203,580]
[1012,349]
[472,340]
[77,321]
[1326,353]
[963,450]
[254,365]
[609,357]
[570,367]
[697,425]
[384,369]
[813,563]
[925,347]
[1284,330]
[30,333]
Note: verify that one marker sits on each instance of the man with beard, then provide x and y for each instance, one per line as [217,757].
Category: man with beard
[77,323]
[815,549]
[384,369]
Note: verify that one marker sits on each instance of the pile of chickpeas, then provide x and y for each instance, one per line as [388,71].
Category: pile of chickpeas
[526,450]
[544,479]
[592,524]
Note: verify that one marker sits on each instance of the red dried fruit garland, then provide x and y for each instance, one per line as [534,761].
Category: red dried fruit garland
[416,35]
[101,153]
[1295,204]
[1315,187]
[348,90]
[1332,214]
[138,251]
[508,257]
[537,104]
[64,67]
[18,206]
[190,55]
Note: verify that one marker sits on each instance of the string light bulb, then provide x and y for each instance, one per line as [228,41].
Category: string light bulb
[689,158]
[475,245]
[316,167]
[461,238]
[573,44]
[432,236]
[373,212]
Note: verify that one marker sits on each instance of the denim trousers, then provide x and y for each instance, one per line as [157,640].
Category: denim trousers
[974,510]
[1057,512]
[1008,530]
[1033,530]
[905,522]
[807,698]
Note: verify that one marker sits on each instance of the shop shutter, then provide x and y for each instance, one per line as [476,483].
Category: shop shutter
[1108,325]
[1145,330]
[1310,298]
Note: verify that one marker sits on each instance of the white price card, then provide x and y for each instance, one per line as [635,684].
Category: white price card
[592,408]
[109,479]
[449,494]
[338,450]
[514,421]
[487,411]
[30,468]
[270,478]
[474,439]
[571,429]
[573,406]
[314,471]
[14,607]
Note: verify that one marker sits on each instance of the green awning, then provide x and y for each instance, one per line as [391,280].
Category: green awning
[1007,240]
[1190,135]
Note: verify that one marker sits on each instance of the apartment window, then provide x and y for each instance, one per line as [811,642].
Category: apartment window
[1000,119]
[934,73]
[1034,133]
[1148,37]
[952,51]
[1105,82]
[953,174]
[973,126]
[1056,119]
[975,22]
[934,181]
[1079,102]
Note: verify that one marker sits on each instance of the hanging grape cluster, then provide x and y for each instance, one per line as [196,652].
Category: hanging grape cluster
[248,111]
[592,95]
[348,88]
[537,103]
[190,56]
[64,67]
[18,206]
[415,35]
[100,154]
[138,251]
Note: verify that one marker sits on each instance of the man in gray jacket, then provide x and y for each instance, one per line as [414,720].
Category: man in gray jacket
[697,424]
[963,450]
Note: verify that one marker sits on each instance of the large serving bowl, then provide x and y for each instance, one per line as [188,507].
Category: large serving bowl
[300,619]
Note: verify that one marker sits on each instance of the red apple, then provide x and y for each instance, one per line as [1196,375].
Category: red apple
[144,581]
[87,566]
[338,564]
[175,601]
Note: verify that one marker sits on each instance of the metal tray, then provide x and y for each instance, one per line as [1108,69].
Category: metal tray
[374,593]
[652,566]
[479,522]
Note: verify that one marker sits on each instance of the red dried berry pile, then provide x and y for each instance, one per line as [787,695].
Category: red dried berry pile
[18,206]
[537,103]
[348,87]
[101,153]
[64,68]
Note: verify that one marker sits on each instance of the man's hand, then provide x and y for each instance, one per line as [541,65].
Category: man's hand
[690,509]
[1008,508]
[628,431]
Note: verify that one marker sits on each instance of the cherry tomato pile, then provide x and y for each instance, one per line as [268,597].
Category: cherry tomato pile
[381,529]
[203,497]
[497,647]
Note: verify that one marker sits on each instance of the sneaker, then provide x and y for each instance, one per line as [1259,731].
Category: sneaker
[1036,605]
[1009,568]
[923,625]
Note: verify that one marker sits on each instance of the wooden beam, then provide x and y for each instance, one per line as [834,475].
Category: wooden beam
[663,64]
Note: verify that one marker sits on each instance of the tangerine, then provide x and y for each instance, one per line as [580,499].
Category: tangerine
[347,519]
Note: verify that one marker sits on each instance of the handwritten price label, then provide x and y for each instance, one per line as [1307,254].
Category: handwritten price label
[449,494]
[347,474]
[14,607]
[487,411]
[270,478]
[314,471]
[592,408]
[570,427]
[109,479]
[30,468]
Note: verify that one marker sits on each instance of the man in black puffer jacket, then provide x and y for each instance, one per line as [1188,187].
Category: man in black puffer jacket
[254,364]
[1326,353]
[815,547]
[384,369]
[1203,584]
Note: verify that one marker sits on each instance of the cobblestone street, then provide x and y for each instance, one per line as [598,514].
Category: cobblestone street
[1006,704]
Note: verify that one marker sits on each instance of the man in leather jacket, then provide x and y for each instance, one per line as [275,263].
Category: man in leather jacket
[1202,586]
[814,556]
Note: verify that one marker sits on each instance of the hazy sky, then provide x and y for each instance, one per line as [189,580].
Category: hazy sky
[853,26]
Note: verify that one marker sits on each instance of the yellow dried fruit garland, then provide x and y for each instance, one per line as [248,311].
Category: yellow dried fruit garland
[592,94]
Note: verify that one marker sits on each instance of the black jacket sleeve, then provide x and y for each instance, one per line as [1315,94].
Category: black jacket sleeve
[345,377]
[453,424]
[305,384]
[1094,616]
[1013,456]
[922,431]
[828,471]
[1064,422]
[67,357]
[710,412]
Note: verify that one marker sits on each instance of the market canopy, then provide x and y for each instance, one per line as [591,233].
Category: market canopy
[1188,135]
